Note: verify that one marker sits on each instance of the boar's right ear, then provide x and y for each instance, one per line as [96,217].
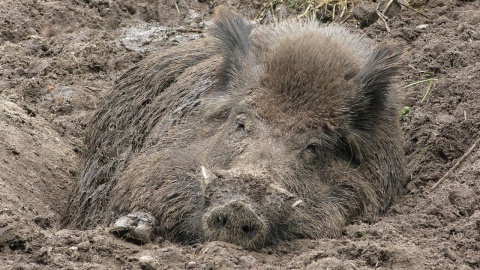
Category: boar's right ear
[231,32]
[375,100]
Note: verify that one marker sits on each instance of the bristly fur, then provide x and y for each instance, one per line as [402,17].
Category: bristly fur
[318,98]
[297,124]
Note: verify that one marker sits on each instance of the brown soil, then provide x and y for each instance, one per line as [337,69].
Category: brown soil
[58,58]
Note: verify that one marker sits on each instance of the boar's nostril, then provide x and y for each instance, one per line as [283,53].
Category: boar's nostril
[250,231]
[240,126]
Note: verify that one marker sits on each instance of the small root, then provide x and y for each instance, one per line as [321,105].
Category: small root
[469,151]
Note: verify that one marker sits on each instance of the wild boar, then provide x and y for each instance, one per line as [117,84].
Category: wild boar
[251,136]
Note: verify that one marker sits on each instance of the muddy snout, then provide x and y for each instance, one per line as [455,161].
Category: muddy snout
[237,223]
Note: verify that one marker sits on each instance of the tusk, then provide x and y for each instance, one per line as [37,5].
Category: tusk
[208,176]
[282,191]
[205,173]
[297,203]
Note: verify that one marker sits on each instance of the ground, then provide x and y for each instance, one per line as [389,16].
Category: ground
[59,58]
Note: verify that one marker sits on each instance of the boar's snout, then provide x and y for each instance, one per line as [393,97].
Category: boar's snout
[237,223]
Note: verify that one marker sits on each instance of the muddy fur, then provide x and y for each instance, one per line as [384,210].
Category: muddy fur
[296,125]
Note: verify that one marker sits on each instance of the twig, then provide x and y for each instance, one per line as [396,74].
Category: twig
[475,144]
[305,12]
[384,19]
[176,6]
[417,11]
[262,9]
[428,91]
[418,82]
[333,11]
[346,18]
[387,6]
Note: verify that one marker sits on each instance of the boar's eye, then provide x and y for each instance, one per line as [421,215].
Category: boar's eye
[216,114]
[222,114]
[309,154]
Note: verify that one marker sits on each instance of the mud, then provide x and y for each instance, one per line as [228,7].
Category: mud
[59,58]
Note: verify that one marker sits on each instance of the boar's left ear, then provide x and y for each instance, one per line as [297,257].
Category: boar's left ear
[232,33]
[375,101]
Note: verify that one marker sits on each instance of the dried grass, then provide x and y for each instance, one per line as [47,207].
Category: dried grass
[332,9]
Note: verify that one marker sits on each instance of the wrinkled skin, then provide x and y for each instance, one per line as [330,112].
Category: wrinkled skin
[250,137]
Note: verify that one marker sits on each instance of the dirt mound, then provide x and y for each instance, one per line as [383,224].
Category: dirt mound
[59,58]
